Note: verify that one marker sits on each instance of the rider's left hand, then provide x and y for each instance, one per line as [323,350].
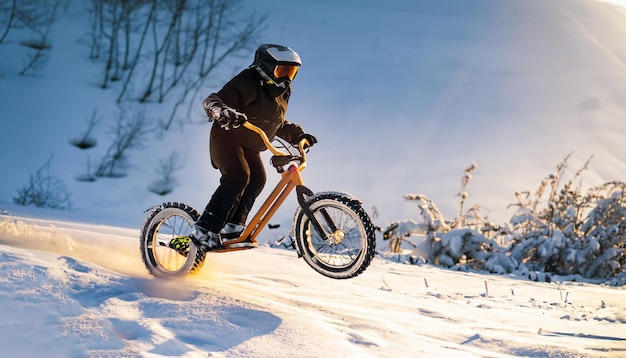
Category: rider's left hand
[309,137]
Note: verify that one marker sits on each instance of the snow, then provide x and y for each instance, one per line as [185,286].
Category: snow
[402,95]
[76,296]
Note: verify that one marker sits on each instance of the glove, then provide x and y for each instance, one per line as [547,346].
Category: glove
[309,137]
[225,116]
[231,118]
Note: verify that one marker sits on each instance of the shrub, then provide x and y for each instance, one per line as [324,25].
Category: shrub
[130,132]
[166,182]
[560,230]
[86,141]
[43,190]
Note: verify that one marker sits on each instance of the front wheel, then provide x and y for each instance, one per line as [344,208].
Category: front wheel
[346,247]
[164,223]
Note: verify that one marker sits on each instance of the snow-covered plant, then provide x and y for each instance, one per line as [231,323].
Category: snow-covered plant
[130,132]
[86,141]
[462,240]
[465,247]
[566,206]
[558,230]
[456,247]
[603,245]
[432,218]
[467,176]
[44,191]
[472,217]
[563,210]
[166,182]
[545,231]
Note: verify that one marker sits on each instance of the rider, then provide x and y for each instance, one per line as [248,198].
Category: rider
[259,94]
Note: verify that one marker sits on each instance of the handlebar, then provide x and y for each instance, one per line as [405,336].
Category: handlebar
[277,152]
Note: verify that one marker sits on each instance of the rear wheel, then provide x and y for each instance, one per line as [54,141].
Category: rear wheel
[347,246]
[163,223]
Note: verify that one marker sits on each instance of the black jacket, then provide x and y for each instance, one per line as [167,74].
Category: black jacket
[246,93]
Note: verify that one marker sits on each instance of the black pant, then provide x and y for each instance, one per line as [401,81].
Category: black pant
[243,179]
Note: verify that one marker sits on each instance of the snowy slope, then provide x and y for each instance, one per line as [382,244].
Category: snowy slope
[89,296]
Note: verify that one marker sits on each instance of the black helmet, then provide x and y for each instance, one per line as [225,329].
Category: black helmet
[277,64]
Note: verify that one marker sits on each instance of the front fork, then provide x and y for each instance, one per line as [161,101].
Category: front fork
[302,192]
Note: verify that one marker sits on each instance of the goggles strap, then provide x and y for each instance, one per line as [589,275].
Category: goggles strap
[268,79]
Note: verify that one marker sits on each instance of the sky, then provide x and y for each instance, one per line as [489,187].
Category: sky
[402,96]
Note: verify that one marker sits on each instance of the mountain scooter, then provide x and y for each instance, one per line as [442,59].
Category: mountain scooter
[331,231]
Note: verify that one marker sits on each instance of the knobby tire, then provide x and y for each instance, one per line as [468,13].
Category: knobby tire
[163,223]
[341,258]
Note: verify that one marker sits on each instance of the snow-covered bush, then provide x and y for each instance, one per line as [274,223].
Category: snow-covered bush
[604,241]
[461,242]
[566,232]
[465,247]
[44,191]
[573,232]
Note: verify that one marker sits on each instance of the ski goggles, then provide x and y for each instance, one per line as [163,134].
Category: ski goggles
[281,71]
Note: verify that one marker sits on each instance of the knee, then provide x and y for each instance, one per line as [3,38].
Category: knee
[235,179]
[257,180]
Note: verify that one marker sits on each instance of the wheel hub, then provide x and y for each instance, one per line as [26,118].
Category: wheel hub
[336,237]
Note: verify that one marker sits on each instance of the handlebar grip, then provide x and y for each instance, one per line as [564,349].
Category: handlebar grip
[304,144]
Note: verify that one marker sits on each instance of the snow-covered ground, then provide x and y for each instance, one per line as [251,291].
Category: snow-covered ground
[402,95]
[88,295]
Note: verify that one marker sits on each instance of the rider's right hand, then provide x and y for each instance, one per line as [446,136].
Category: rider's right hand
[224,115]
[230,118]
